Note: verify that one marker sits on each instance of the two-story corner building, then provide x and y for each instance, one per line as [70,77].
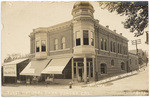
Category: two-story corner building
[80,49]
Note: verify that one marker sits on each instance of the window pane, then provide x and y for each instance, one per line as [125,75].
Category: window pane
[105,44]
[85,34]
[78,34]
[63,40]
[120,49]
[111,45]
[43,44]
[86,41]
[102,44]
[114,47]
[85,37]
[37,46]
[78,42]
[56,41]
[103,69]
[112,62]
[56,44]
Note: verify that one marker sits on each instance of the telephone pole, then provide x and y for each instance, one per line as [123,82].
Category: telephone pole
[136,42]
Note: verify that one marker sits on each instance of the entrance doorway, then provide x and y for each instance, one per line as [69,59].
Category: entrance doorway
[80,78]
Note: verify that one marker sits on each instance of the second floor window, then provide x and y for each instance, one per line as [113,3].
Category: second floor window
[111,46]
[118,48]
[56,44]
[105,42]
[85,37]
[37,46]
[78,39]
[43,45]
[114,47]
[102,44]
[63,44]
[78,42]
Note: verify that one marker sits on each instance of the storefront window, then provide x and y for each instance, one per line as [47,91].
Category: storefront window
[43,45]
[85,37]
[37,46]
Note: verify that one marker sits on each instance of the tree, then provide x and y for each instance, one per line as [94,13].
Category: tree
[136,12]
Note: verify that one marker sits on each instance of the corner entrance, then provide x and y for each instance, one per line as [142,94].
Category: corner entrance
[83,70]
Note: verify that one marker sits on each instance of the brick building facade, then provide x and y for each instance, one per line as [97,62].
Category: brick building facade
[94,51]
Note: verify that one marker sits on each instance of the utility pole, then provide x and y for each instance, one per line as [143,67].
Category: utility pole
[136,42]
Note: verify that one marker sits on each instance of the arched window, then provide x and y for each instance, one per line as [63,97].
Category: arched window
[105,42]
[56,44]
[103,68]
[114,47]
[63,44]
[111,46]
[112,62]
[122,66]
[102,44]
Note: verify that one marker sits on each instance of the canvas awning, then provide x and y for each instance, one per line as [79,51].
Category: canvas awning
[56,66]
[10,68]
[35,67]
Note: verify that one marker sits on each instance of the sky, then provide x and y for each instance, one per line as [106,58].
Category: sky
[18,19]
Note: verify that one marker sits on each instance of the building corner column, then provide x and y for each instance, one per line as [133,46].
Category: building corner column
[93,60]
[72,69]
[89,70]
[77,73]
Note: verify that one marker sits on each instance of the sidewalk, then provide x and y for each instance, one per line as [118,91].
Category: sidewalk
[114,78]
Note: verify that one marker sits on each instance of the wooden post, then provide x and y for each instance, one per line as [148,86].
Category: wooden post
[72,70]
[85,70]
[89,70]
[93,69]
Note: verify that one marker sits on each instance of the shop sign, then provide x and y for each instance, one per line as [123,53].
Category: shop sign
[10,70]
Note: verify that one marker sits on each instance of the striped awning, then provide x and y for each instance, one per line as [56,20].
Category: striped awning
[35,67]
[56,66]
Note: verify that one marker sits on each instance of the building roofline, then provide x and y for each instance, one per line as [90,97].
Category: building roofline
[112,32]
